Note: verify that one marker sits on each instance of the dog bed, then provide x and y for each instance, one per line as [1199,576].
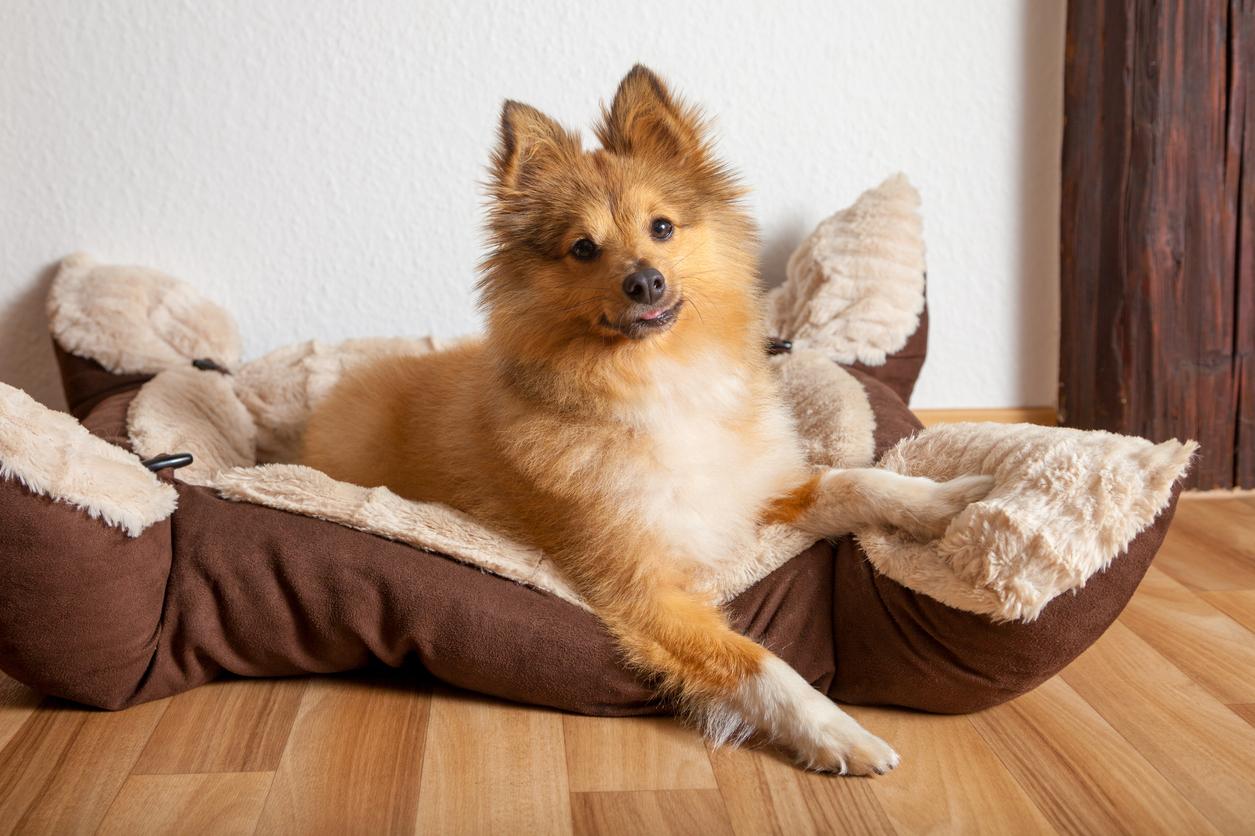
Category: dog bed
[118,585]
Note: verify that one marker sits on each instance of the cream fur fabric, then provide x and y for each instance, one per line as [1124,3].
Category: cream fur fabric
[1065,504]
[855,287]
[819,391]
[136,320]
[188,410]
[52,455]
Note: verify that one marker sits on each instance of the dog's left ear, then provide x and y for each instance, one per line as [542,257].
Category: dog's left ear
[646,120]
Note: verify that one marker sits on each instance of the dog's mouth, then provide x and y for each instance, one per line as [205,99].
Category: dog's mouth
[641,321]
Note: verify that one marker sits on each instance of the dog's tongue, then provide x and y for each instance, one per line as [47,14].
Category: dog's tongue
[654,314]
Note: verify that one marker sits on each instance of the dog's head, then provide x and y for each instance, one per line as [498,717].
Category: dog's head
[641,238]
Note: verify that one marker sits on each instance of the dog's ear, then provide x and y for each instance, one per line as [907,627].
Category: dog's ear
[646,120]
[528,141]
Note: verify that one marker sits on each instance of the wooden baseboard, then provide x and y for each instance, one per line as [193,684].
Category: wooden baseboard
[1044,415]
[1243,494]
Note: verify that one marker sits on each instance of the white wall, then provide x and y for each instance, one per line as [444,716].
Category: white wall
[315,165]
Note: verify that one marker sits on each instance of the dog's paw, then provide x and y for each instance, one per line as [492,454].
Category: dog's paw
[932,515]
[846,748]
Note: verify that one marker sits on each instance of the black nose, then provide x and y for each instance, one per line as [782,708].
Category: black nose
[645,286]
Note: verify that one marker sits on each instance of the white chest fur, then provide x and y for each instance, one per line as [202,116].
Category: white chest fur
[703,456]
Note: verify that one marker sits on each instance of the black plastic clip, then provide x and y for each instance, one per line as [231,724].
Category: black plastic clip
[208,364]
[779,345]
[171,460]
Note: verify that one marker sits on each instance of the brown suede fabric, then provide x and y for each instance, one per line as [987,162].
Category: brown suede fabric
[91,615]
[86,383]
[258,592]
[894,421]
[897,647]
[108,418]
[80,602]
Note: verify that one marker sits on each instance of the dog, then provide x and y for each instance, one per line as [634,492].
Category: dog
[620,413]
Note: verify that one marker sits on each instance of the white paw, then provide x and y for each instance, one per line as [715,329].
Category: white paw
[931,516]
[846,748]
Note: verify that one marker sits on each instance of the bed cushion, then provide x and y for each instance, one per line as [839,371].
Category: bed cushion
[94,615]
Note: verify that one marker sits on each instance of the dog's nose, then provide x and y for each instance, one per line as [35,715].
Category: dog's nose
[645,286]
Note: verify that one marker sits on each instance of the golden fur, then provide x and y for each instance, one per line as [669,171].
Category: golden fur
[636,456]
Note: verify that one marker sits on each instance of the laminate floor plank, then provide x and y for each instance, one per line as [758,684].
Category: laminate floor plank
[660,812]
[213,804]
[1082,774]
[1237,604]
[634,753]
[1247,713]
[969,790]
[1202,748]
[230,726]
[62,769]
[765,793]
[1216,651]
[353,759]
[1211,545]
[493,767]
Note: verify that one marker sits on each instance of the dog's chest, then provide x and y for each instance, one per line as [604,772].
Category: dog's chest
[705,455]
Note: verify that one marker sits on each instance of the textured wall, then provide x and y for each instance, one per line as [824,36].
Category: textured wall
[315,165]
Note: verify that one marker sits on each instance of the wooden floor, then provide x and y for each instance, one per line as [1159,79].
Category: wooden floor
[1151,731]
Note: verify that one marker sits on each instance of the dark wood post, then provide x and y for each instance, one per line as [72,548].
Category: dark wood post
[1158,229]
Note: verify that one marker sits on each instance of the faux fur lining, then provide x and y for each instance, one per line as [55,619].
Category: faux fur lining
[855,286]
[830,408]
[189,410]
[133,320]
[53,455]
[1065,504]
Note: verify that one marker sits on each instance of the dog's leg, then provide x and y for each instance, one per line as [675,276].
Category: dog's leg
[736,686]
[838,501]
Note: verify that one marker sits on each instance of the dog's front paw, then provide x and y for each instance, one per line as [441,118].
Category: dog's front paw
[846,748]
[931,516]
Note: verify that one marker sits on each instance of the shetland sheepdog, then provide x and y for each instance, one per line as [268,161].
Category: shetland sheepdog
[619,411]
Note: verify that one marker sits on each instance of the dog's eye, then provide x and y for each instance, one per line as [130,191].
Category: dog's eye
[661,229]
[584,249]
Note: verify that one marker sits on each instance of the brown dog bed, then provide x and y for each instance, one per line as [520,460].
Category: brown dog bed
[118,586]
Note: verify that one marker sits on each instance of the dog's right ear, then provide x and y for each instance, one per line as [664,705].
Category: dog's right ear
[528,142]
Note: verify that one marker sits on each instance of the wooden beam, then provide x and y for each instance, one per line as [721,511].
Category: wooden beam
[1157,337]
